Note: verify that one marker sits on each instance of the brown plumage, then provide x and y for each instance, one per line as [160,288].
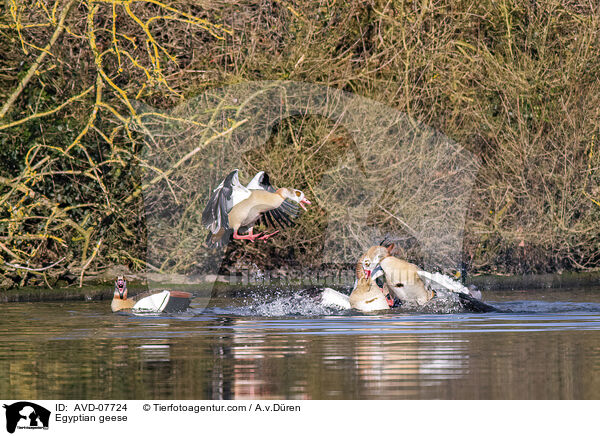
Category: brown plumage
[404,282]
[367,296]
[233,207]
[248,211]
[401,277]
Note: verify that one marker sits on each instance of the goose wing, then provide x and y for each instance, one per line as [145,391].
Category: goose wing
[437,281]
[261,181]
[223,198]
[282,216]
[142,295]
[276,217]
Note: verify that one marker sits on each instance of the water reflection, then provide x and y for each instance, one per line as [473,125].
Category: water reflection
[81,350]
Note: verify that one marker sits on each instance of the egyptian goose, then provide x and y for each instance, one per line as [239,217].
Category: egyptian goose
[164,301]
[233,207]
[368,294]
[410,284]
[401,277]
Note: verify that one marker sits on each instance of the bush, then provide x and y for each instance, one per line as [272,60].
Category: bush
[513,83]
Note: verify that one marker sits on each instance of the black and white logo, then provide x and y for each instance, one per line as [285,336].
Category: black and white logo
[26,415]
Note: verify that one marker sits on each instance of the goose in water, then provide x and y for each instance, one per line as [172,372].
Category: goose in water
[233,207]
[401,277]
[164,301]
[368,295]
[412,285]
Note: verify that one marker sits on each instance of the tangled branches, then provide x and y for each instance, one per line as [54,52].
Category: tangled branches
[69,193]
[514,83]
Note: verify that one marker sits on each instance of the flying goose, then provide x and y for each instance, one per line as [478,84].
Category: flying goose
[233,207]
[164,301]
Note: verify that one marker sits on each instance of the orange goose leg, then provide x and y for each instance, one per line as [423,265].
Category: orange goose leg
[250,236]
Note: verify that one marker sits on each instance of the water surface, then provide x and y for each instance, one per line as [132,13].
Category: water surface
[544,345]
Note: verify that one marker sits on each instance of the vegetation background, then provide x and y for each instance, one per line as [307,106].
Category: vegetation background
[514,82]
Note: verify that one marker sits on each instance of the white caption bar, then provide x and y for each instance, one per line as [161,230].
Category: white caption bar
[265,417]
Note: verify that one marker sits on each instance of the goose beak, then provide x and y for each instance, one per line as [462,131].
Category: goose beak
[378,276]
[303,202]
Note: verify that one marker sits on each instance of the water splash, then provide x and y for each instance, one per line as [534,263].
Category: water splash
[446,304]
[286,302]
[307,303]
[295,305]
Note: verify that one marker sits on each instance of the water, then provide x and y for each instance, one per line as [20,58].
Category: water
[545,346]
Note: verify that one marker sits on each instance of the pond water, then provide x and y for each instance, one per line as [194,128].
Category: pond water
[544,345]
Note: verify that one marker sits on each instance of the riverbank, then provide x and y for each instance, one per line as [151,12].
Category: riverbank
[566,280]
[220,286]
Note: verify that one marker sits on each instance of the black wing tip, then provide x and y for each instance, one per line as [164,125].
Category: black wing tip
[267,219]
[386,242]
[290,208]
[277,218]
[226,238]
[228,180]
[217,202]
[206,216]
[474,305]
[265,182]
[283,218]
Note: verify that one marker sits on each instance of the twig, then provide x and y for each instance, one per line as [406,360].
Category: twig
[413,231]
[9,251]
[34,67]
[17,266]
[96,248]
[46,280]
[49,112]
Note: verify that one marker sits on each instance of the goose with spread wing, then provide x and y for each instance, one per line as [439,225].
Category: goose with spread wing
[409,284]
[402,278]
[234,208]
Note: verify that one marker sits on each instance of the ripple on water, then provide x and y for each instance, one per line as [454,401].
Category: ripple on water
[287,346]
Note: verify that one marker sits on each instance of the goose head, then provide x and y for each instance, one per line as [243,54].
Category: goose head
[120,288]
[294,195]
[372,258]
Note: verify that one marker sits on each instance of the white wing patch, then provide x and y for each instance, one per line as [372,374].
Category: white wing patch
[438,281]
[153,303]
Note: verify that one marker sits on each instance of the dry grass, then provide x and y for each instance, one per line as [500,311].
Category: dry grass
[515,83]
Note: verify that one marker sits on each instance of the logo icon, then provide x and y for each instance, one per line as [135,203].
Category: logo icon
[26,415]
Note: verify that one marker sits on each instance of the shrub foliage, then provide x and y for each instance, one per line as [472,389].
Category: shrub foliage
[515,83]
